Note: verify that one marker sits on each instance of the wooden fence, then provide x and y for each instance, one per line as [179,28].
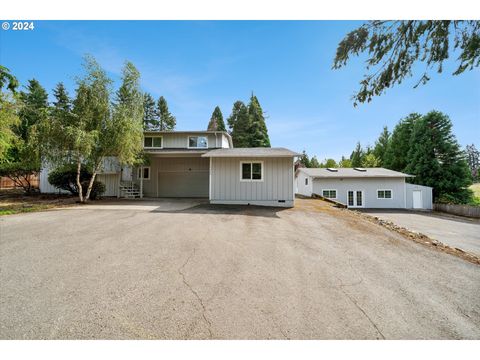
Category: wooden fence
[6,183]
[462,210]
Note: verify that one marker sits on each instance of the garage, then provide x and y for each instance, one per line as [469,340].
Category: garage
[190,183]
[186,176]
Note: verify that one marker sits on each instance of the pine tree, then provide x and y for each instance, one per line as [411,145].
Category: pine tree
[150,118]
[381,145]
[396,155]
[241,127]
[232,119]
[435,158]
[357,156]
[166,121]
[216,121]
[258,128]
[62,105]
[35,101]
[304,160]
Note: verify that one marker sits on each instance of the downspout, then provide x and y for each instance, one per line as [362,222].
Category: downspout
[141,182]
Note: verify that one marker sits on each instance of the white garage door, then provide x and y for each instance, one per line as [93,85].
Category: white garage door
[183,183]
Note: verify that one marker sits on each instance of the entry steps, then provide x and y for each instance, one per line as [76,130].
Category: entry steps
[129,190]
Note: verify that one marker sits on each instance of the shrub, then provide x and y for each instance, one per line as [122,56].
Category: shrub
[65,178]
[463,196]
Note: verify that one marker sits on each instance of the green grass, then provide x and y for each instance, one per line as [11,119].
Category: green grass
[10,210]
[476,193]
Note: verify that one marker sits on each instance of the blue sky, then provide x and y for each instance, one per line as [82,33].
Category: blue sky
[197,65]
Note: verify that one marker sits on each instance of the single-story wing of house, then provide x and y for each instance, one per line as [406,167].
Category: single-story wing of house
[364,187]
[201,164]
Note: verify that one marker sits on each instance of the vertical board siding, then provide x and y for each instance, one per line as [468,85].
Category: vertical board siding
[111,183]
[276,185]
[180,141]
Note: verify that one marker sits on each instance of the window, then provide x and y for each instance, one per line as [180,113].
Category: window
[146,173]
[384,194]
[153,142]
[329,194]
[306,181]
[198,142]
[251,171]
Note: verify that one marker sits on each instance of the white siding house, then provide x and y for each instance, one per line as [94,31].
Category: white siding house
[253,176]
[201,164]
[364,188]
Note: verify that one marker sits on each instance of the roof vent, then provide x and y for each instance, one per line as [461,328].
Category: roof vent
[360,169]
[332,169]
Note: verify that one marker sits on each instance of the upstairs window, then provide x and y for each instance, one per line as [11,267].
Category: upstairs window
[384,194]
[152,142]
[251,171]
[197,142]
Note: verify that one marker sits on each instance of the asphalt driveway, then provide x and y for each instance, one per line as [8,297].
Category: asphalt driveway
[188,270]
[455,231]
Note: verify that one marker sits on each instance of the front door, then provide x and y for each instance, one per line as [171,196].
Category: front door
[355,198]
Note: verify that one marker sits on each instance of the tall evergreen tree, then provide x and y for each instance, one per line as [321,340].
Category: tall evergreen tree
[232,119]
[381,145]
[216,121]
[304,160]
[150,118]
[35,107]
[435,158]
[314,163]
[396,155]
[258,128]
[357,156]
[166,121]
[241,127]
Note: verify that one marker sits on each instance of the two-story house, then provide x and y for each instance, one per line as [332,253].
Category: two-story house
[202,164]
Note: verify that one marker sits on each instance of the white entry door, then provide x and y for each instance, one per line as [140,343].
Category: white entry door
[417,199]
[355,198]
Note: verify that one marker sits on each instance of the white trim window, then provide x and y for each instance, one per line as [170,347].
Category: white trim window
[306,181]
[384,194]
[251,171]
[153,142]
[146,173]
[197,142]
[329,193]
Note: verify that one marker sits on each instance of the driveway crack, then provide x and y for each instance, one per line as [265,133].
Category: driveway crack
[352,300]
[200,301]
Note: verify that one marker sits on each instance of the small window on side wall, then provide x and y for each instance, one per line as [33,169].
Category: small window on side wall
[384,194]
[146,173]
[251,171]
[329,194]
[306,181]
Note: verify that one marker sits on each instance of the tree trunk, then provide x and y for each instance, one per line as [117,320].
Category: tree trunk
[79,184]
[90,184]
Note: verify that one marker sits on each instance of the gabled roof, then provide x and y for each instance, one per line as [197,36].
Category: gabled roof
[353,173]
[251,152]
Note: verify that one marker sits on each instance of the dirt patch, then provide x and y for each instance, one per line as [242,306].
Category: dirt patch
[15,202]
